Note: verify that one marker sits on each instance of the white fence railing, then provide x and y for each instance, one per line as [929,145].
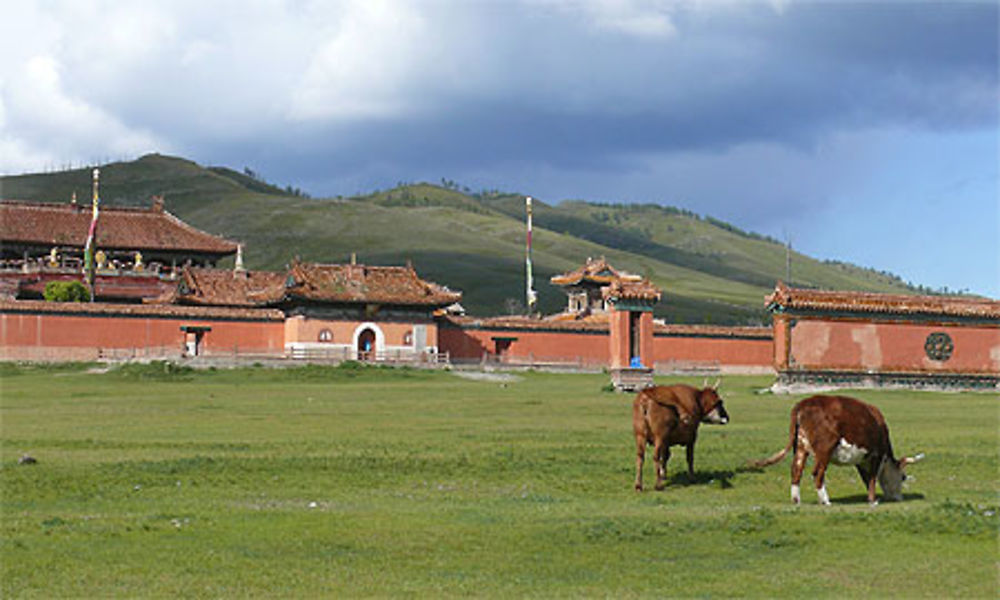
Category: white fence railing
[310,353]
[395,356]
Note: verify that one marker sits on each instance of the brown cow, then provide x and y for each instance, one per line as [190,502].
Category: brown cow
[842,431]
[665,416]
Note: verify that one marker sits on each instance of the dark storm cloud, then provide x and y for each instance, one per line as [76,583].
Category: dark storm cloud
[725,78]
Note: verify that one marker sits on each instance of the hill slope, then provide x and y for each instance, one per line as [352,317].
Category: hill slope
[710,271]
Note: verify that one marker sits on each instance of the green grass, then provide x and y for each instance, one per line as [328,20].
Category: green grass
[345,482]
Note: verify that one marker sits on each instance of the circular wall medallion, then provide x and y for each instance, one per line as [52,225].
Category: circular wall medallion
[939,346]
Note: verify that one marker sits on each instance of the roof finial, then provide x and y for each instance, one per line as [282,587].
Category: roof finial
[239,268]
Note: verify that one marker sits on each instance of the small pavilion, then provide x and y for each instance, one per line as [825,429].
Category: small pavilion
[597,290]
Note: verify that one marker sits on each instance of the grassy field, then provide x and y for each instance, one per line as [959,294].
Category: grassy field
[366,482]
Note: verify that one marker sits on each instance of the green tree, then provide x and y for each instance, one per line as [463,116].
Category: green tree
[65,291]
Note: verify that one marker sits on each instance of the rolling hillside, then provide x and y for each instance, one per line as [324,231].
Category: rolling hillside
[710,271]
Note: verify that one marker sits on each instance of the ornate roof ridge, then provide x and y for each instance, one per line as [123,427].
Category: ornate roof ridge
[785,297]
[631,290]
[592,270]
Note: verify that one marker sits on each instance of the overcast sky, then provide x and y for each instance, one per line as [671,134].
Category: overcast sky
[864,131]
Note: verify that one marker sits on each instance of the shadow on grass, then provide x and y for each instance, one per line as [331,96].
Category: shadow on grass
[723,479]
[863,498]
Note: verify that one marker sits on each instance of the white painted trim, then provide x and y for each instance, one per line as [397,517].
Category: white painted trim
[379,336]
[321,345]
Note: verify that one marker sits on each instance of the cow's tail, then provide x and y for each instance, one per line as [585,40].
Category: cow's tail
[793,430]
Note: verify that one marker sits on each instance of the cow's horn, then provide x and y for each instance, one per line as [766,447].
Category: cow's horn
[718,382]
[912,459]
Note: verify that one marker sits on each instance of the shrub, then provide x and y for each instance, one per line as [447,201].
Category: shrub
[159,370]
[65,291]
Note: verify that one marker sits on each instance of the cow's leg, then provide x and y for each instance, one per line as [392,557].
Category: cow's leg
[819,476]
[798,465]
[640,455]
[640,428]
[868,475]
[662,456]
[689,449]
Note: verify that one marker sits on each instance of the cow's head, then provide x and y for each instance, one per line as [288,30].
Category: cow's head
[712,410]
[891,476]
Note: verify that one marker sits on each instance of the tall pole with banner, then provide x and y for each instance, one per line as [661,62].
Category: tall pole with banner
[89,247]
[532,296]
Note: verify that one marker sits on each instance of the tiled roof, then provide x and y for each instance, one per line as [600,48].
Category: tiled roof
[224,287]
[350,284]
[362,283]
[672,329]
[128,229]
[579,317]
[141,310]
[599,323]
[621,289]
[595,271]
[785,298]
[595,323]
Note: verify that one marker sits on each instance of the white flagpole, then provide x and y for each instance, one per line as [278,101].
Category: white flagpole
[532,297]
[90,247]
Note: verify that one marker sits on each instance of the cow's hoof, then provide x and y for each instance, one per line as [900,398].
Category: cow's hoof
[660,487]
[638,487]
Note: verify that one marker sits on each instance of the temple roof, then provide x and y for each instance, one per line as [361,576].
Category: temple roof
[330,283]
[785,298]
[597,271]
[361,283]
[224,287]
[129,229]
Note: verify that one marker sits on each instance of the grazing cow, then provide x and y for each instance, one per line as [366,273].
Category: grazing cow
[842,431]
[665,416]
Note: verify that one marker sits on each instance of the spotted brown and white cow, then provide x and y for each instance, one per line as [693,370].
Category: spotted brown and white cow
[664,416]
[842,431]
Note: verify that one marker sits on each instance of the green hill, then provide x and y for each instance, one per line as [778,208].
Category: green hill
[710,271]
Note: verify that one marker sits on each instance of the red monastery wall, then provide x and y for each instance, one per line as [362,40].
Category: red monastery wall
[722,351]
[466,344]
[894,347]
[674,346]
[40,331]
[844,337]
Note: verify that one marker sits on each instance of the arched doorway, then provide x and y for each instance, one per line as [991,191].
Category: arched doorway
[366,344]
